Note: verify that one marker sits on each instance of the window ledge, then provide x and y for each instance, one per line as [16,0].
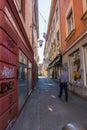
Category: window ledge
[70,35]
[84,17]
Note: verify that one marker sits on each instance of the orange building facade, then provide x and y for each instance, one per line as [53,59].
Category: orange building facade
[73,17]
[67,43]
[16,58]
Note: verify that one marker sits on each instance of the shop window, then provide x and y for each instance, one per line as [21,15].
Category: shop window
[75,67]
[22,79]
[70,22]
[29,77]
[85,50]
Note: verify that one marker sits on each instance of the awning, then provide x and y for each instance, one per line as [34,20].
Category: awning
[56,61]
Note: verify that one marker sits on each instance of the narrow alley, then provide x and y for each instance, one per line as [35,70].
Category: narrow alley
[45,111]
[42,38]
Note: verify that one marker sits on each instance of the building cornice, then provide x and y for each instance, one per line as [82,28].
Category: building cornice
[75,42]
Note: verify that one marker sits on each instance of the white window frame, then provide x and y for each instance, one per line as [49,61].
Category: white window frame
[84,16]
[84,5]
[70,20]
[69,9]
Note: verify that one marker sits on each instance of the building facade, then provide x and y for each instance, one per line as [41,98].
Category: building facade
[52,49]
[16,58]
[73,17]
[71,30]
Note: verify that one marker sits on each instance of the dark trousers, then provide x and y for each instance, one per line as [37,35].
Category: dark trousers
[63,86]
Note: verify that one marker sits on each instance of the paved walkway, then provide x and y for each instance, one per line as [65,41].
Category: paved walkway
[45,111]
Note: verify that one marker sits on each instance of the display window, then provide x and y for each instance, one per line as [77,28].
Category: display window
[85,59]
[75,67]
[29,77]
[22,79]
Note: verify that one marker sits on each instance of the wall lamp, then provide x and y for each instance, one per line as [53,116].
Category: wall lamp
[40,44]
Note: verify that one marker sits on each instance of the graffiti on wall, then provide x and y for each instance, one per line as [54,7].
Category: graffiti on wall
[7,72]
[6,86]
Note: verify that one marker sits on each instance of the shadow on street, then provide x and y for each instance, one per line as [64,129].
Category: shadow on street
[45,111]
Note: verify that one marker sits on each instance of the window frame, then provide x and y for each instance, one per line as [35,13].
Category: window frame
[69,9]
[57,12]
[70,22]
[74,57]
[84,16]
[84,5]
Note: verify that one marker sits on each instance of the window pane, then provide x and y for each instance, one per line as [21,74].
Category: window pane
[22,79]
[75,67]
[29,77]
[56,13]
[70,21]
[86,61]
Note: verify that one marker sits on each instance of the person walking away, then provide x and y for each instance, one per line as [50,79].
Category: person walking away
[63,79]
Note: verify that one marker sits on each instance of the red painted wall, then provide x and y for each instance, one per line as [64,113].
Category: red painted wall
[8,68]
[11,28]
